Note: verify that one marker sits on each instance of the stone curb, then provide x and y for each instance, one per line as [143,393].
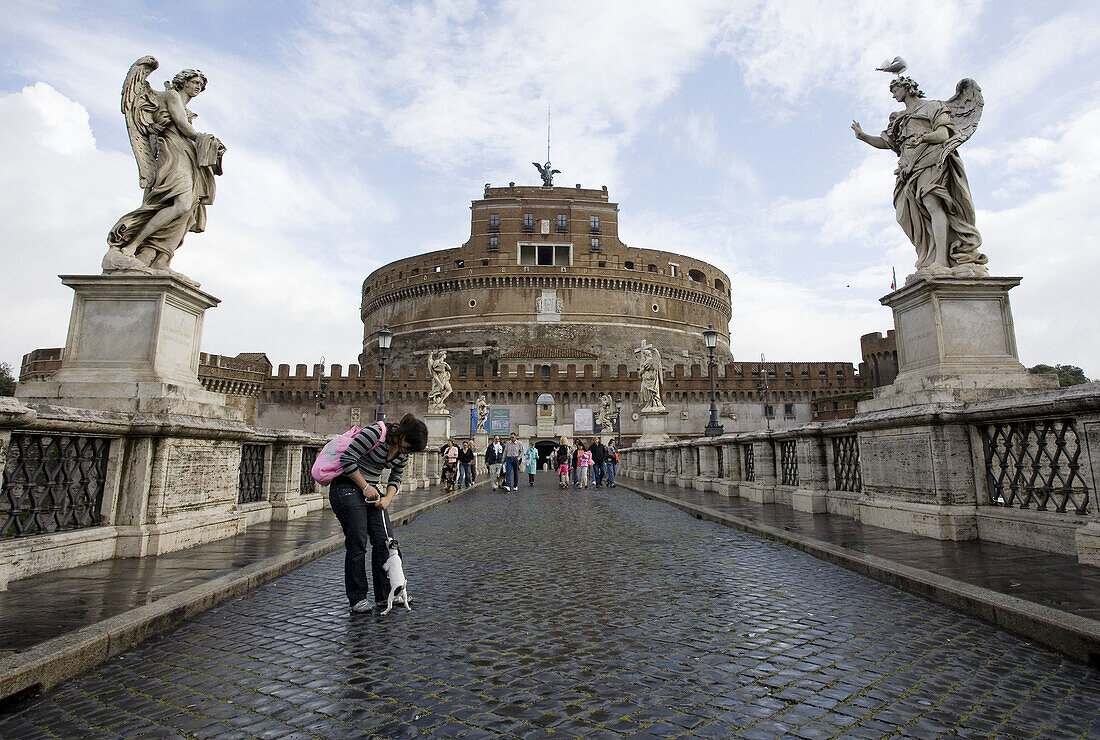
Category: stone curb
[1075,636]
[48,663]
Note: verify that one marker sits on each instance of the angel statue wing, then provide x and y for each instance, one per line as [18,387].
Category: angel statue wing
[139,105]
[966,110]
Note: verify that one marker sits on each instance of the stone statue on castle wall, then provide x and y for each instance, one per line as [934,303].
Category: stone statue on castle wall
[932,196]
[649,374]
[482,414]
[440,373]
[604,414]
[176,167]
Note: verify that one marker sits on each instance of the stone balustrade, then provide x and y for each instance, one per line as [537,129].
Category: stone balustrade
[81,486]
[1021,470]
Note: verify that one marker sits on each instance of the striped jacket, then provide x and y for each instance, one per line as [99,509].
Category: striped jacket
[370,463]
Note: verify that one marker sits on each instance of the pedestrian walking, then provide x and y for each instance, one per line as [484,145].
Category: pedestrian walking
[584,462]
[574,458]
[599,458]
[494,460]
[561,462]
[450,465]
[612,463]
[531,464]
[359,505]
[513,451]
[466,465]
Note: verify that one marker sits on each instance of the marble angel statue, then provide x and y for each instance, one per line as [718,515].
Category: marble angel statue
[440,373]
[482,414]
[649,374]
[605,415]
[931,195]
[176,168]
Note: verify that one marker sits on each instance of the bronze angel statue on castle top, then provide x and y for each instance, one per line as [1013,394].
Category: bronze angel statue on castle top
[931,195]
[176,168]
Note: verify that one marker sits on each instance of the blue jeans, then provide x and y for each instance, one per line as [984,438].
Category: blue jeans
[465,474]
[598,473]
[612,469]
[363,526]
[511,472]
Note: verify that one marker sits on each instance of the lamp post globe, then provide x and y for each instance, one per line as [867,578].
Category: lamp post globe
[710,338]
[385,336]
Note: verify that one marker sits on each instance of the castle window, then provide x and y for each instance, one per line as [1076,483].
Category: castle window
[628,265]
[697,277]
[769,411]
[460,263]
[595,244]
[528,222]
[546,371]
[563,223]
[414,271]
[673,269]
[594,224]
[719,285]
[485,263]
[651,268]
[601,263]
[494,222]
[494,243]
[546,255]
[788,410]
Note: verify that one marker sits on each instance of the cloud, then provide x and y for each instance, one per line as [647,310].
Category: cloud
[789,51]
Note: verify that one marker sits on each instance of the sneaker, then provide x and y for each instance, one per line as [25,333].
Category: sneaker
[363,606]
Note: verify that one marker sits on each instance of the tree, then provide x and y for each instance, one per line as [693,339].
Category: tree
[7,380]
[1067,374]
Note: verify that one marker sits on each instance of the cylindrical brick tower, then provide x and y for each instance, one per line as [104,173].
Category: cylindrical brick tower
[544,278]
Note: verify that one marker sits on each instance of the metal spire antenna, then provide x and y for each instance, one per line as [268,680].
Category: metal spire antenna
[545,172]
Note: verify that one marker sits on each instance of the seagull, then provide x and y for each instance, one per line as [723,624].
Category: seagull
[896,66]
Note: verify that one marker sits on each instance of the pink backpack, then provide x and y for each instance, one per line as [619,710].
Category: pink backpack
[327,465]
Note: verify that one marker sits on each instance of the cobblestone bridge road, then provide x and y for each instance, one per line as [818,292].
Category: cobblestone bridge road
[592,613]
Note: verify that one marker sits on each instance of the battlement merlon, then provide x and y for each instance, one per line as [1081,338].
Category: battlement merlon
[779,375]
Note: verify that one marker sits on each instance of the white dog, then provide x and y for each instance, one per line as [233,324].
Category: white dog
[396,575]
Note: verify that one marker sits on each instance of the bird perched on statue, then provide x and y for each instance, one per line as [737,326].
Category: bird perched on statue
[896,66]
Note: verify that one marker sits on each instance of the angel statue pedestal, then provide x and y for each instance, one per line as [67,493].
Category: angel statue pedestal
[133,345]
[956,344]
[654,426]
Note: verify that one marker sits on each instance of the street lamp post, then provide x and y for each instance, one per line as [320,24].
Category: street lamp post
[618,419]
[385,336]
[710,337]
[320,394]
[762,389]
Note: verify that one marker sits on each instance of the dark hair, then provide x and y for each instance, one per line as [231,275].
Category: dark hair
[412,432]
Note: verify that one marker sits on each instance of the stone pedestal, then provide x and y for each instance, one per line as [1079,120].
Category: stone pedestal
[956,343]
[133,345]
[439,428]
[654,427]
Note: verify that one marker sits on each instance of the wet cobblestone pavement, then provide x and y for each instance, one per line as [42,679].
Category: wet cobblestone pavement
[593,613]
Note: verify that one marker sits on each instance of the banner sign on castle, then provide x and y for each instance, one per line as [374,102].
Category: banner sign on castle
[582,421]
[499,421]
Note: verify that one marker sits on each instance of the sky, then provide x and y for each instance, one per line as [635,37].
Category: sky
[359,132]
